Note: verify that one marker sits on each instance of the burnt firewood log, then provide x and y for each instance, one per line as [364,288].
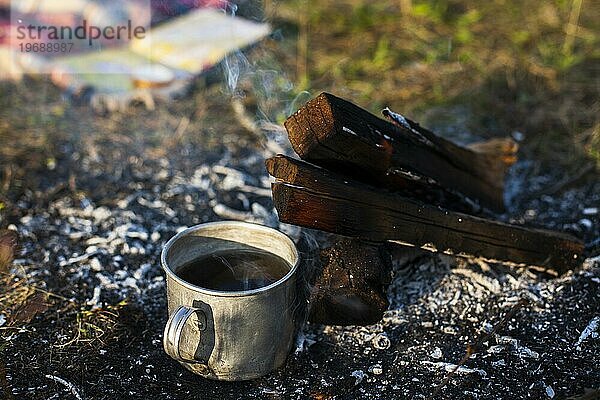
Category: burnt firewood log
[400,155]
[351,288]
[394,181]
[314,197]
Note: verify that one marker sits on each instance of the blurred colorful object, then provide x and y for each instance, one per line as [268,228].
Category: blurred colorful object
[165,9]
[187,46]
[181,47]
[198,40]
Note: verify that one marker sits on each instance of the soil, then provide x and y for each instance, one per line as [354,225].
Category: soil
[88,325]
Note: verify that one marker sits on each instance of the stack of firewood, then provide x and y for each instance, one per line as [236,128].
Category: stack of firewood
[376,181]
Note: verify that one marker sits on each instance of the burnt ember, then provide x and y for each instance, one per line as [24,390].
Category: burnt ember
[350,289]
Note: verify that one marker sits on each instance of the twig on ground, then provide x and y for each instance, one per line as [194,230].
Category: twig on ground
[69,385]
[569,180]
[244,118]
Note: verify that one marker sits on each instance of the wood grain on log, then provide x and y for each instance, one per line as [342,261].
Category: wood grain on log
[351,288]
[311,196]
[338,135]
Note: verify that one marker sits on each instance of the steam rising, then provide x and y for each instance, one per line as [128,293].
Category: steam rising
[267,82]
[276,98]
[235,65]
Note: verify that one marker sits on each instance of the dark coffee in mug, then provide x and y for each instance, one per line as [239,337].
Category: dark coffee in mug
[235,270]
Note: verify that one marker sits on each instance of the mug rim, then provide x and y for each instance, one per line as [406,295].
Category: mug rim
[165,266]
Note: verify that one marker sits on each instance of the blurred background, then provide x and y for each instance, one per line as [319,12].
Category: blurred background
[485,68]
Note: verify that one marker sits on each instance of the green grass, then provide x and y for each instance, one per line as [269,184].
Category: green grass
[525,65]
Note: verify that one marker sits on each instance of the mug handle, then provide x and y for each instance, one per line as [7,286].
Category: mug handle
[173,329]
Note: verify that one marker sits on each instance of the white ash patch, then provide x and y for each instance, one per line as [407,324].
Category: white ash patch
[549,390]
[94,302]
[114,247]
[359,375]
[436,353]
[381,341]
[513,346]
[589,331]
[304,340]
[590,211]
[376,369]
[366,338]
[239,186]
[449,367]
[72,388]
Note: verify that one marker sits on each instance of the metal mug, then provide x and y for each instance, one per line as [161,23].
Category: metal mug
[236,335]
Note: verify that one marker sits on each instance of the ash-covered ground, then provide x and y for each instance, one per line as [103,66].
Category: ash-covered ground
[84,304]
